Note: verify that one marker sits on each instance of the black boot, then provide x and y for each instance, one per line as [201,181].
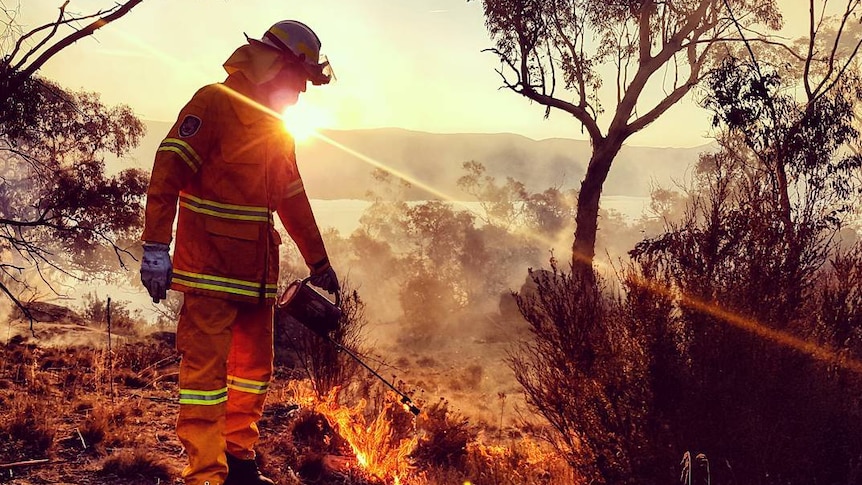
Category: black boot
[244,472]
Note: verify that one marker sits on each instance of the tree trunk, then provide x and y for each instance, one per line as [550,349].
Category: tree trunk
[586,219]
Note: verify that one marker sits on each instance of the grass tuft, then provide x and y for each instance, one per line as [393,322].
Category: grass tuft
[136,463]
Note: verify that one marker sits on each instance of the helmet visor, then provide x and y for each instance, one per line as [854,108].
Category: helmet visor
[321,73]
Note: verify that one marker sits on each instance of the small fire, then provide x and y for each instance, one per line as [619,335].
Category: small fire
[360,457]
[380,449]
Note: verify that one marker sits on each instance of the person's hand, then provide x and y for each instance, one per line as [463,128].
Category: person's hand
[325,279]
[156,270]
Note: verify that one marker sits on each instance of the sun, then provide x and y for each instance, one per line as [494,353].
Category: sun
[303,120]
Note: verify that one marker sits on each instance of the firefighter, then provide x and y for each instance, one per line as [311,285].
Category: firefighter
[229,164]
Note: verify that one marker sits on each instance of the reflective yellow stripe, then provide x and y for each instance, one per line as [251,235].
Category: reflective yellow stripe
[184,150]
[226,285]
[250,208]
[295,188]
[181,154]
[227,211]
[210,212]
[203,398]
[247,385]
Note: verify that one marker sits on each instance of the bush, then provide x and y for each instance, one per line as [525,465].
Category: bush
[25,431]
[584,371]
[319,359]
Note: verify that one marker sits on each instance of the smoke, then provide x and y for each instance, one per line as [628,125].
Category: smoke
[437,282]
[59,335]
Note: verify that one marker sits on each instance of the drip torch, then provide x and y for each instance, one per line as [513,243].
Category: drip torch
[316,312]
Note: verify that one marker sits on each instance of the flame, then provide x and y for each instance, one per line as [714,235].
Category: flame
[375,442]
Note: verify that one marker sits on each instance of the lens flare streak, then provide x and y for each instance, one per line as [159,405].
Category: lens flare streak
[786,339]
[819,352]
[823,353]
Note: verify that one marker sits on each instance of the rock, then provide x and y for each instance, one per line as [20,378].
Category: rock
[50,313]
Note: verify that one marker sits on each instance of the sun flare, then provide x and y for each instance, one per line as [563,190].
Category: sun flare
[303,120]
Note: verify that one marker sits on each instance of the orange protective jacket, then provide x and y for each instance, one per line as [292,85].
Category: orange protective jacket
[230,164]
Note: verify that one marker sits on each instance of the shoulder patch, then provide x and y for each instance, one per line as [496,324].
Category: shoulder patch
[190,125]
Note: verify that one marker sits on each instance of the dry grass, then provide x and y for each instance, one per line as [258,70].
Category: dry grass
[26,430]
[56,404]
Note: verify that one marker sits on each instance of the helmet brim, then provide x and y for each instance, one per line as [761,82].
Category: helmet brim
[319,74]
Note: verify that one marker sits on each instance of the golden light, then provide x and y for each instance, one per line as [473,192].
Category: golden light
[824,353]
[303,120]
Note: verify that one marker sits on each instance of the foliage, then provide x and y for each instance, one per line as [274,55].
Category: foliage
[135,463]
[836,304]
[59,210]
[722,337]
[62,215]
[743,284]
[321,361]
[446,437]
[512,207]
[123,319]
[429,262]
[25,431]
[519,462]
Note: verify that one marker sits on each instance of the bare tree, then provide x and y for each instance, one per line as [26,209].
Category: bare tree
[560,53]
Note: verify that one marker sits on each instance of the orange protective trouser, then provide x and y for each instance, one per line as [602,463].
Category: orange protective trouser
[226,350]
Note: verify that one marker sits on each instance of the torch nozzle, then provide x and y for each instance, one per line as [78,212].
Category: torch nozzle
[408,405]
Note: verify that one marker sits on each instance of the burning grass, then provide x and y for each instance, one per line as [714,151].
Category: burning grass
[375,440]
[381,444]
[87,415]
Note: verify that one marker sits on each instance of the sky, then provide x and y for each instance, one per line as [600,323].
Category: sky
[413,64]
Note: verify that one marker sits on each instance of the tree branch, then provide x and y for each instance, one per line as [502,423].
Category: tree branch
[834,53]
[24,310]
[576,59]
[118,12]
[53,26]
[524,89]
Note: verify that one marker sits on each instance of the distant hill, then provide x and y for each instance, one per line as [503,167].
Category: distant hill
[436,159]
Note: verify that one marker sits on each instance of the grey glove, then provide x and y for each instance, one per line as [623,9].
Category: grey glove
[156,270]
[325,279]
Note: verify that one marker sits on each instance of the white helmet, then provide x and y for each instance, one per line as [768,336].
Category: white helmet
[299,44]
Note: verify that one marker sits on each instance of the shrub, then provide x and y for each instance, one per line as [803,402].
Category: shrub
[136,464]
[124,320]
[584,371]
[95,427]
[320,360]
[445,436]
